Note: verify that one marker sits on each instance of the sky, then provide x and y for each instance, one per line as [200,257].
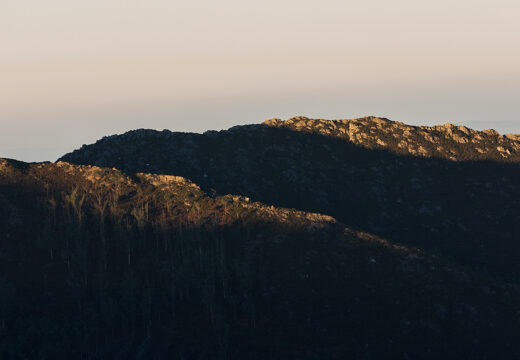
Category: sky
[74,71]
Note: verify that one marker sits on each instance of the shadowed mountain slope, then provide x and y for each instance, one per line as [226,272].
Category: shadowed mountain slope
[96,264]
[444,188]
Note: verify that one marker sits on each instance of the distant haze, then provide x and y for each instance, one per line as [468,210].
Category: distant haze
[74,71]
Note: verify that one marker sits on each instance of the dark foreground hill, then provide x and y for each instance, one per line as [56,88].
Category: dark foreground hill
[96,264]
[446,189]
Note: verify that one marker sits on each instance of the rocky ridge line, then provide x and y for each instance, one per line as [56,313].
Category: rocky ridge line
[444,141]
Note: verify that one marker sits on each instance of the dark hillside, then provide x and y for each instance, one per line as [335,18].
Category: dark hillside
[95,264]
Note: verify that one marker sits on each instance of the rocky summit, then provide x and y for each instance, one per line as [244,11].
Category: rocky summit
[295,239]
[446,141]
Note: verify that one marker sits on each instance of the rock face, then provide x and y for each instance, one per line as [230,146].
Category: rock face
[445,188]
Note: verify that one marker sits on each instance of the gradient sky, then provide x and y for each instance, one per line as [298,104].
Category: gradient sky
[73,71]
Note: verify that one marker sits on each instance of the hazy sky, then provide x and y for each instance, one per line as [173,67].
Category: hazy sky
[73,71]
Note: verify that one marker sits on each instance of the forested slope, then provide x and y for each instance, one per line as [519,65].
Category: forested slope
[96,264]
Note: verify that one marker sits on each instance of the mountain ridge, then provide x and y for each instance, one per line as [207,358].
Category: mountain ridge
[297,239]
[365,131]
[328,167]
